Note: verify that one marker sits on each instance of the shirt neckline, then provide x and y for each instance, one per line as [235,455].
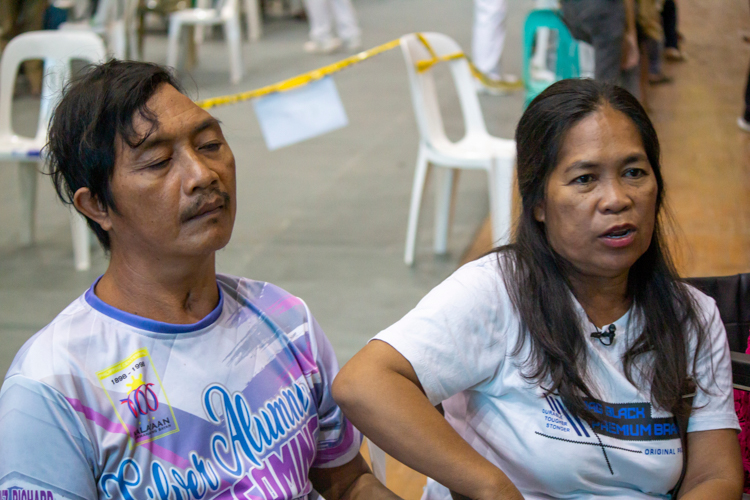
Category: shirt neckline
[147,324]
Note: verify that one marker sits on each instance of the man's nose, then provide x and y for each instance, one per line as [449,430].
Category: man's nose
[198,173]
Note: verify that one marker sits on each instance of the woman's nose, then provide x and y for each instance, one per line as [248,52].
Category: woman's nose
[614,197]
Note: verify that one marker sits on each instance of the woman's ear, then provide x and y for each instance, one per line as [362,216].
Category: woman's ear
[90,206]
[539,212]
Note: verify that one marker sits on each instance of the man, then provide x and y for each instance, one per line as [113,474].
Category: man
[165,380]
[610,26]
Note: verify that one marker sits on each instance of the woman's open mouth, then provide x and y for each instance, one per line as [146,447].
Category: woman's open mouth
[618,236]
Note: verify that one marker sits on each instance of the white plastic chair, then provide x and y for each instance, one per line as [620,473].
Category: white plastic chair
[225,13]
[477,150]
[114,21]
[377,458]
[57,49]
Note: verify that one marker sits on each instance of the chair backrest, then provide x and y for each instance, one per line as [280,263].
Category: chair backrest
[423,90]
[732,296]
[57,49]
[567,61]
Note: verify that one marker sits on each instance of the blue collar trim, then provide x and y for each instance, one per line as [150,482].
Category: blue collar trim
[150,324]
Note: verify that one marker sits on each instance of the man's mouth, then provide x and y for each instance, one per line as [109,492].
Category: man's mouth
[203,207]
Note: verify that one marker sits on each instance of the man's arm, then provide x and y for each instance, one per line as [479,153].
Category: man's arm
[350,481]
[714,466]
[42,443]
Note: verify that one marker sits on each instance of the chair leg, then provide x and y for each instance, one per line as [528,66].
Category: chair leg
[27,174]
[173,42]
[234,43]
[501,199]
[377,458]
[254,26]
[444,188]
[420,176]
[81,248]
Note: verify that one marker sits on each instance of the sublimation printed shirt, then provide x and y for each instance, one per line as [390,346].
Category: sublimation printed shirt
[104,404]
[460,340]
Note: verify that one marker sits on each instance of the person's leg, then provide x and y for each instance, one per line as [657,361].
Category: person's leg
[607,27]
[669,22]
[346,22]
[746,114]
[319,16]
[488,37]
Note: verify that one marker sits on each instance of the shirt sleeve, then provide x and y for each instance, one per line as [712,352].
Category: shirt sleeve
[713,405]
[456,337]
[45,448]
[339,441]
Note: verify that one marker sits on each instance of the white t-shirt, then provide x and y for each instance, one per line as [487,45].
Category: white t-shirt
[460,340]
[104,404]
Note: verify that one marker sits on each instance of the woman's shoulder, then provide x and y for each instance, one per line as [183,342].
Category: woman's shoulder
[484,276]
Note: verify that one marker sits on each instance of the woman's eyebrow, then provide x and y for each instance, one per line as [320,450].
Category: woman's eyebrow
[581,165]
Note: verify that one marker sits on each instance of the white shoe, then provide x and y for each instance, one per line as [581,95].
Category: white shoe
[743,124]
[323,47]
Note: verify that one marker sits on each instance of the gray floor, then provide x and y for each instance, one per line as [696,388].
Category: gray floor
[325,219]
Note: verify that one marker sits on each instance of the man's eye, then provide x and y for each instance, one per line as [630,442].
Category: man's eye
[211,146]
[159,165]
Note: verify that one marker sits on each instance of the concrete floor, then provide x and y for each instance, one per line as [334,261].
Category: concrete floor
[324,219]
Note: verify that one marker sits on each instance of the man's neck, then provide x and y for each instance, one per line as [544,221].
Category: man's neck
[183,292]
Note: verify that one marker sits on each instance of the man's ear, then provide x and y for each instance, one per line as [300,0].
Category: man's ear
[539,212]
[90,206]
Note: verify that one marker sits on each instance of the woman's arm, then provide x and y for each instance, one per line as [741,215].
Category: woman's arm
[381,394]
[714,466]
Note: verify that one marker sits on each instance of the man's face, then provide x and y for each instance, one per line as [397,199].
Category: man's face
[174,193]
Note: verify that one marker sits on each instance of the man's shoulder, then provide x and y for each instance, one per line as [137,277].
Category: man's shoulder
[265,299]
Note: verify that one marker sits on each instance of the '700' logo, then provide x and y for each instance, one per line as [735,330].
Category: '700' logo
[141,400]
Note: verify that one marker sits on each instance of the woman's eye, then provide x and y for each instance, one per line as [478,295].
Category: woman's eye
[635,173]
[583,179]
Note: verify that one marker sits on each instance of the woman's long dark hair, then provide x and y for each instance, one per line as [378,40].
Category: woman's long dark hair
[537,277]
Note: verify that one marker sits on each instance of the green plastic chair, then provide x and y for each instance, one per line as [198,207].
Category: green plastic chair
[568,65]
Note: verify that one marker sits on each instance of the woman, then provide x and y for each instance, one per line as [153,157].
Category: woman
[561,360]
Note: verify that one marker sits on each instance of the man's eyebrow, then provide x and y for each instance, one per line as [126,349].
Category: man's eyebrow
[156,139]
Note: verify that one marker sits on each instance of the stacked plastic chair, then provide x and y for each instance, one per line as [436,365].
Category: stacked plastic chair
[567,61]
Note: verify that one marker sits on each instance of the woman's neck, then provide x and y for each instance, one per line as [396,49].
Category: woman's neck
[604,300]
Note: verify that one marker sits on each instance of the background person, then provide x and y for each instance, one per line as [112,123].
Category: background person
[561,360]
[323,15]
[610,27]
[165,380]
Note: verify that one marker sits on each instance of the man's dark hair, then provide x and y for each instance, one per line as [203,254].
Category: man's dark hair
[98,106]
[537,277]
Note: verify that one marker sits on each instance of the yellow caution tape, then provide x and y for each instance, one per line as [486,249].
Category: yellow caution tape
[486,80]
[299,80]
[317,74]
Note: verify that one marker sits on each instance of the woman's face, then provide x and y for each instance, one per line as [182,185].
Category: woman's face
[599,208]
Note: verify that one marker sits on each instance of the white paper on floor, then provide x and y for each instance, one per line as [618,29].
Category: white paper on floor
[300,114]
